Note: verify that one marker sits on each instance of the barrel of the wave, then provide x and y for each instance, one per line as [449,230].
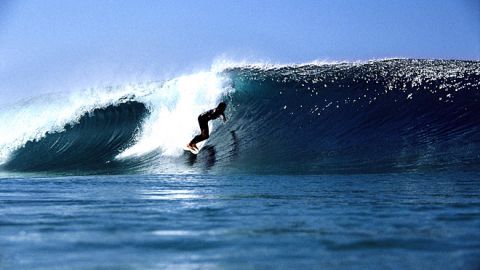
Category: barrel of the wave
[87,145]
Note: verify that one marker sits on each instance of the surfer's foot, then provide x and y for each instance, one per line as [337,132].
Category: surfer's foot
[192,146]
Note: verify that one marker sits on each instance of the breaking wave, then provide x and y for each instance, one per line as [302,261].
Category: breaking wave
[378,116]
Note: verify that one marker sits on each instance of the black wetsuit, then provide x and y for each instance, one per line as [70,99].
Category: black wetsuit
[203,122]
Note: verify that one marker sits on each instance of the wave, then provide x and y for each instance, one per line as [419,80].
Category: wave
[90,143]
[379,116]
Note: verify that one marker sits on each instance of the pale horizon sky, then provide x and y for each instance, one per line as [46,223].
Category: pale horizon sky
[64,45]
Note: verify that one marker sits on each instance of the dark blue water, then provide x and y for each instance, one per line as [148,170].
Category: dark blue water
[376,221]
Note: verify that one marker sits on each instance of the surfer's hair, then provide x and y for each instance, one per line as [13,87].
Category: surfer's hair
[222,106]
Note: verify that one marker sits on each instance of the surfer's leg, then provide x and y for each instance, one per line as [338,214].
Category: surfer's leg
[203,135]
[204,129]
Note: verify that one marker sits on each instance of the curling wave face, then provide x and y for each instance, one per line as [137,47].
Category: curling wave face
[379,116]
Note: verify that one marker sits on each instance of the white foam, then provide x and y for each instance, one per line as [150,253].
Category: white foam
[222,63]
[174,109]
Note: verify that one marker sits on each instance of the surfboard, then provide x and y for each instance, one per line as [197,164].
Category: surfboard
[199,146]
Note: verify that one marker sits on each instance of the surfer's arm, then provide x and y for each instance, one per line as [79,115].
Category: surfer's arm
[224,118]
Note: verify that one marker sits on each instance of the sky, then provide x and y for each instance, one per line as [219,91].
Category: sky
[65,45]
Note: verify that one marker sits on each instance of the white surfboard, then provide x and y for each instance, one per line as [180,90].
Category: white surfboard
[199,146]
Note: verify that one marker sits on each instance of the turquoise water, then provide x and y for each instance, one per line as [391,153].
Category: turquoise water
[370,221]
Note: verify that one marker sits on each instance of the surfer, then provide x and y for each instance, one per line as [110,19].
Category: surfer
[203,122]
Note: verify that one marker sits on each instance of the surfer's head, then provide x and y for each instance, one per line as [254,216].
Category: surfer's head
[222,106]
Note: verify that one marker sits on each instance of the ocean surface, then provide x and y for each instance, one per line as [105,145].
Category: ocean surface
[364,165]
[377,221]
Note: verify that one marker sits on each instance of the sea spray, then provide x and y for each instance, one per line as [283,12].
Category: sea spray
[174,109]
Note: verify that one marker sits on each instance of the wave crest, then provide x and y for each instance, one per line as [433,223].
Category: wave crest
[378,116]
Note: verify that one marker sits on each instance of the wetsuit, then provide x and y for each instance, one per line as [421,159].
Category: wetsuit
[203,122]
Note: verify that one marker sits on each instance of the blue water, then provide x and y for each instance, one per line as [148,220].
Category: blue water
[401,115]
[367,165]
[370,221]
